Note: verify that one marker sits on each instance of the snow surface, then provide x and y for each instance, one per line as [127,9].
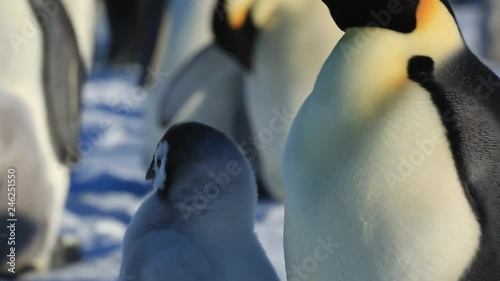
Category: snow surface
[108,185]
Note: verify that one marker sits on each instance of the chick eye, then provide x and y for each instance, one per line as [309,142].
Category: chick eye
[158,163]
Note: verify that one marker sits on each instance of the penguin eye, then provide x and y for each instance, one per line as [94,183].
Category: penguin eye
[158,163]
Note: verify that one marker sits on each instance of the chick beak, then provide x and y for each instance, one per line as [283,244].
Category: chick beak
[150,174]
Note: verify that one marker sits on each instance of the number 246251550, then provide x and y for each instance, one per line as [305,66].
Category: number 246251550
[11,189]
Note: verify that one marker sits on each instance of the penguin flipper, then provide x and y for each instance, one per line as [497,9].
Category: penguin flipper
[63,77]
[209,66]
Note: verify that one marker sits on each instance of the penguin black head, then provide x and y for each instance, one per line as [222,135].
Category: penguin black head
[398,15]
[234,29]
[193,159]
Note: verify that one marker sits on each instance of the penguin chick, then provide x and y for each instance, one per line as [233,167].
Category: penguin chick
[198,222]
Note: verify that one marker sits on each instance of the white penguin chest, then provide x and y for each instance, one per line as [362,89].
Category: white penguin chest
[384,189]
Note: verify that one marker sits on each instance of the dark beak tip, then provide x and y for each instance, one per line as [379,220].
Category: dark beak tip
[150,174]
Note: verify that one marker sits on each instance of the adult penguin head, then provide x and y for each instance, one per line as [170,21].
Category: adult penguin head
[403,16]
[234,29]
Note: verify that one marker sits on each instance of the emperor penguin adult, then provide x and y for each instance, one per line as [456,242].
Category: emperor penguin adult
[198,93]
[392,160]
[268,39]
[40,84]
[198,224]
[134,27]
[187,23]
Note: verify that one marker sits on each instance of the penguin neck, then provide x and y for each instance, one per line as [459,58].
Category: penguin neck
[369,64]
[237,12]
[209,224]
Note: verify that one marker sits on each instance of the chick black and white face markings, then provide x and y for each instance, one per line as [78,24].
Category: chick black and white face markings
[157,171]
[187,151]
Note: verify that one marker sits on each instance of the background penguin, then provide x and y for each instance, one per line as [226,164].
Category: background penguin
[258,34]
[198,223]
[134,29]
[295,39]
[83,16]
[394,155]
[40,122]
[198,93]
[188,31]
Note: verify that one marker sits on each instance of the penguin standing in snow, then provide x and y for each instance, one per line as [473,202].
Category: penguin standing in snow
[394,157]
[198,223]
[295,39]
[134,28]
[83,16]
[187,23]
[261,35]
[40,84]
[198,93]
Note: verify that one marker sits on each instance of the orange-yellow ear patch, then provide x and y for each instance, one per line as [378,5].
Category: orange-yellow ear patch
[426,12]
[238,11]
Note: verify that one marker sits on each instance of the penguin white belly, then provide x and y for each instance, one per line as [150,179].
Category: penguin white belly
[384,190]
[288,57]
[83,15]
[189,31]
[41,184]
[43,181]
